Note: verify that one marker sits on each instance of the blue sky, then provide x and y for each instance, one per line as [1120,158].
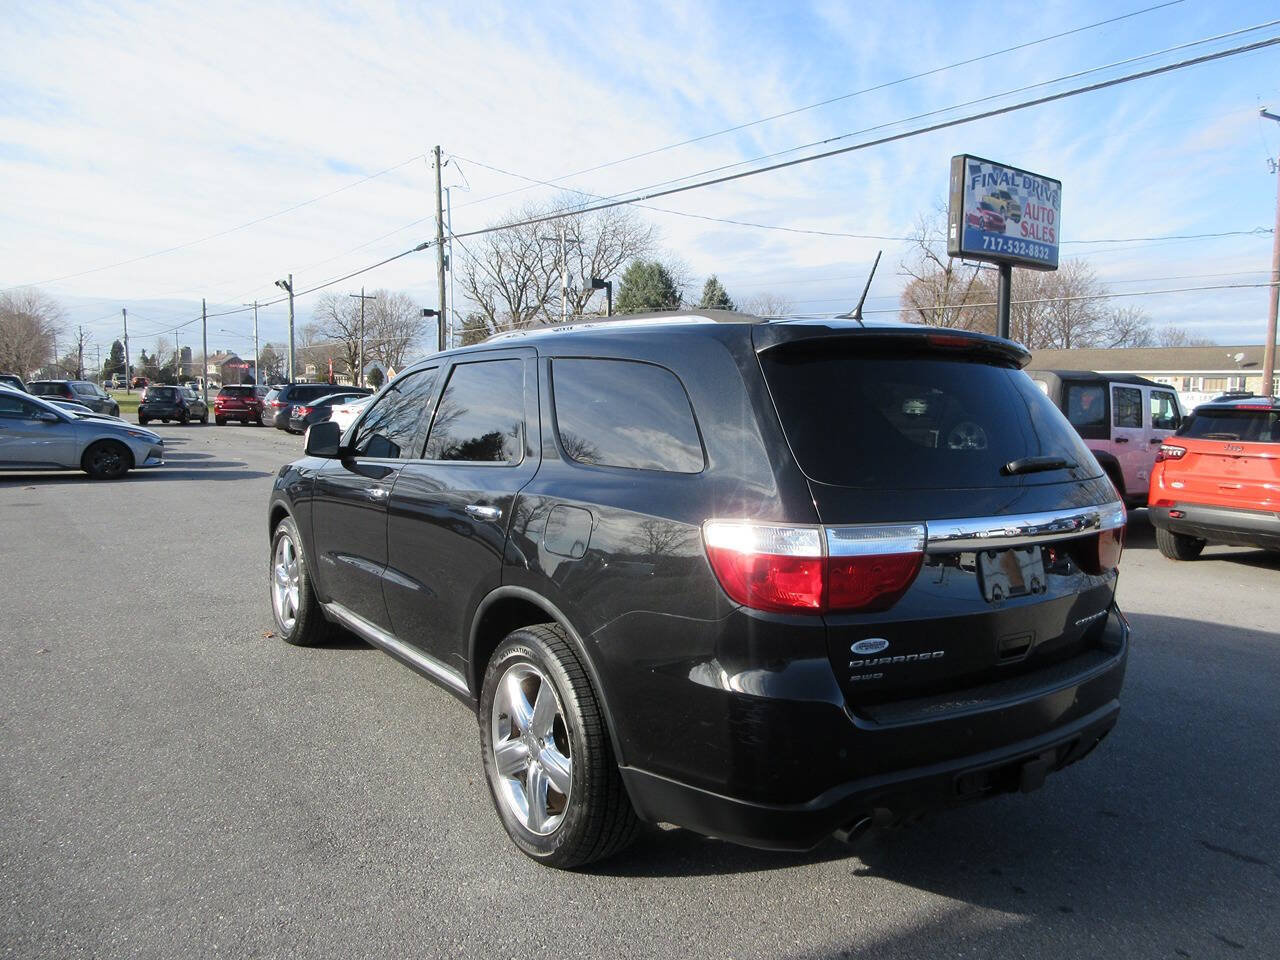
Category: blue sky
[127,129]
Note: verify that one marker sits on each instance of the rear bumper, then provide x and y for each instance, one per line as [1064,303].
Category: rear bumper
[1229,525]
[1005,738]
[1019,766]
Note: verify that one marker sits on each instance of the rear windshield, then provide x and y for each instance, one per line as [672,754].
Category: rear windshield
[1253,426]
[47,389]
[861,417]
[161,393]
[236,391]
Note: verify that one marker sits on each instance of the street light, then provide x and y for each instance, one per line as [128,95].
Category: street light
[607,287]
[287,286]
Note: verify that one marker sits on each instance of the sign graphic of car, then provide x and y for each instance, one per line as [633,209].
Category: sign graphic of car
[986,217]
[1007,205]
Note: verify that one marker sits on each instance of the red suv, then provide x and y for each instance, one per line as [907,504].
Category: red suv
[241,402]
[1217,480]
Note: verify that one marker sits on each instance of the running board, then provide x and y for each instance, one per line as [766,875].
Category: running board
[397,648]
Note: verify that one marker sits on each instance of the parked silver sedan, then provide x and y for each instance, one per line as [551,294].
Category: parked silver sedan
[36,435]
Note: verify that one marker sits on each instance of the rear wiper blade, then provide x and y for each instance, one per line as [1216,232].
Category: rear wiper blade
[1222,436]
[1036,465]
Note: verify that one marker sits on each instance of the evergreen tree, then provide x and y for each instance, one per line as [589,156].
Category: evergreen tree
[647,285]
[714,296]
[114,364]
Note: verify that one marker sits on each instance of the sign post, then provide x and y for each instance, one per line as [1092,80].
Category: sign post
[1006,216]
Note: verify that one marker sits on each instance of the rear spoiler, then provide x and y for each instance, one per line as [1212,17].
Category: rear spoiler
[924,339]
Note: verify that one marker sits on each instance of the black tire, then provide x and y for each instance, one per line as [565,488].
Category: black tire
[1178,546]
[309,627]
[220,421]
[106,460]
[115,410]
[184,417]
[204,419]
[596,818]
[142,421]
[258,422]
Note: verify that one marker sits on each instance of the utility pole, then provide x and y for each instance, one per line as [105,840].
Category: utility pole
[257,369]
[362,298]
[287,286]
[1269,349]
[440,317]
[204,337]
[128,380]
[449,325]
[97,348]
[80,354]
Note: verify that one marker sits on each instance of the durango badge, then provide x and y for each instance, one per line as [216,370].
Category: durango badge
[870,645]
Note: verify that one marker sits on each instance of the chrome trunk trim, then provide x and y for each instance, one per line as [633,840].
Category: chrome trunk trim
[1014,530]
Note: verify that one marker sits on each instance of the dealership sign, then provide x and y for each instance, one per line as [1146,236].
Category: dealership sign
[1003,214]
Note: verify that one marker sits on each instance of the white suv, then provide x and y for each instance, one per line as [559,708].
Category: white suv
[1123,419]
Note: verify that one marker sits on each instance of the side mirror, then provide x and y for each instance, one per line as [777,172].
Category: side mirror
[324,440]
[47,416]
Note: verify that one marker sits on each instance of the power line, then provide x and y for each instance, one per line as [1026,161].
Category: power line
[831,100]
[220,233]
[891,138]
[956,106]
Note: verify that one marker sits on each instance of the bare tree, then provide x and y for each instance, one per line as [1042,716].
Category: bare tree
[337,322]
[939,287]
[29,323]
[513,276]
[393,328]
[1181,337]
[767,304]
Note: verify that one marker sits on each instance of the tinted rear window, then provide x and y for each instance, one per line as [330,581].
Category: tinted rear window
[161,393]
[862,417]
[618,413]
[47,389]
[236,392]
[1252,426]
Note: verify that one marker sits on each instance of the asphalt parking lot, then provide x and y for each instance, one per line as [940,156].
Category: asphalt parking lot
[174,782]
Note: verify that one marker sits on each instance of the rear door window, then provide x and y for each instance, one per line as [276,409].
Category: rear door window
[1126,408]
[480,418]
[861,416]
[1164,410]
[390,430]
[619,413]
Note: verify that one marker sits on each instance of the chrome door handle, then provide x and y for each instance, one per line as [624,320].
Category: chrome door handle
[378,493]
[481,512]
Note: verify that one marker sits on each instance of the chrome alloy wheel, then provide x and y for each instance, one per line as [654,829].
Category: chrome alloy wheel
[285,583]
[532,755]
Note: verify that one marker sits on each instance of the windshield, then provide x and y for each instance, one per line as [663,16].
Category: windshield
[861,417]
[1251,426]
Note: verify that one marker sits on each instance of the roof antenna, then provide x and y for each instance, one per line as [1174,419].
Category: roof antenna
[856,312]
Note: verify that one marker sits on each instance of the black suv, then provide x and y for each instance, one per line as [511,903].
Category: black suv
[764,580]
[171,403]
[279,403]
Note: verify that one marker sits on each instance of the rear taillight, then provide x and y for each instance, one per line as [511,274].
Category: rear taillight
[301,411]
[811,570]
[768,567]
[1101,553]
[1169,451]
[871,567]
[277,403]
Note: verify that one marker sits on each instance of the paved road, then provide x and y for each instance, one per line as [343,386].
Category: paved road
[173,783]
